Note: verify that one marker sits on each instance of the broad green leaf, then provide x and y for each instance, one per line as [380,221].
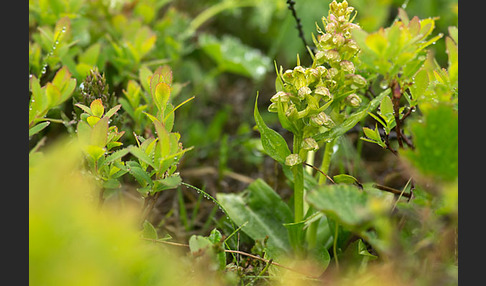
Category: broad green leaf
[116,155]
[346,204]
[84,108]
[95,152]
[344,179]
[92,120]
[99,133]
[53,94]
[164,139]
[161,95]
[112,111]
[264,213]
[273,143]
[233,56]
[421,82]
[90,55]
[97,108]
[435,138]
[199,244]
[143,178]
[170,182]
[37,128]
[149,230]
[142,156]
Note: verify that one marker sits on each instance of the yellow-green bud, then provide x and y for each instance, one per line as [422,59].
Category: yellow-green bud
[353,100]
[322,119]
[288,76]
[273,107]
[309,144]
[293,159]
[332,56]
[338,40]
[303,91]
[331,73]
[347,66]
[323,92]
[282,96]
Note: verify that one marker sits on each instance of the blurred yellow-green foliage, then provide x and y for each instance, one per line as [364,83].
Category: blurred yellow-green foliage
[71,242]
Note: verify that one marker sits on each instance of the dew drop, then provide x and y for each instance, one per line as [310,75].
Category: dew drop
[384,84]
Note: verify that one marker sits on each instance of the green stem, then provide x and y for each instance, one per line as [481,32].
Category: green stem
[334,245]
[298,171]
[326,161]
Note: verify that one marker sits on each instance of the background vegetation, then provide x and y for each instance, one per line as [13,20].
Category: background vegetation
[102,209]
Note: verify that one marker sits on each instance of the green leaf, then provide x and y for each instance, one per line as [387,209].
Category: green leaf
[37,128]
[161,95]
[97,108]
[112,111]
[170,182]
[139,174]
[99,133]
[273,143]
[344,179]
[84,108]
[149,231]
[346,204]
[142,156]
[233,56]
[436,143]
[264,213]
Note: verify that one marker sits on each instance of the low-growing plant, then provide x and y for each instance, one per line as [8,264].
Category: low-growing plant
[92,69]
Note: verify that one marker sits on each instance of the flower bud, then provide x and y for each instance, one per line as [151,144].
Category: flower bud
[331,73]
[273,107]
[299,77]
[322,119]
[353,100]
[292,112]
[292,160]
[338,40]
[282,96]
[347,66]
[359,80]
[322,70]
[288,76]
[323,92]
[312,75]
[309,144]
[331,28]
[303,91]
[332,55]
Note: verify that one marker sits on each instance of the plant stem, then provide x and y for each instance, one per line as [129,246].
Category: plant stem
[298,171]
[326,161]
[334,245]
